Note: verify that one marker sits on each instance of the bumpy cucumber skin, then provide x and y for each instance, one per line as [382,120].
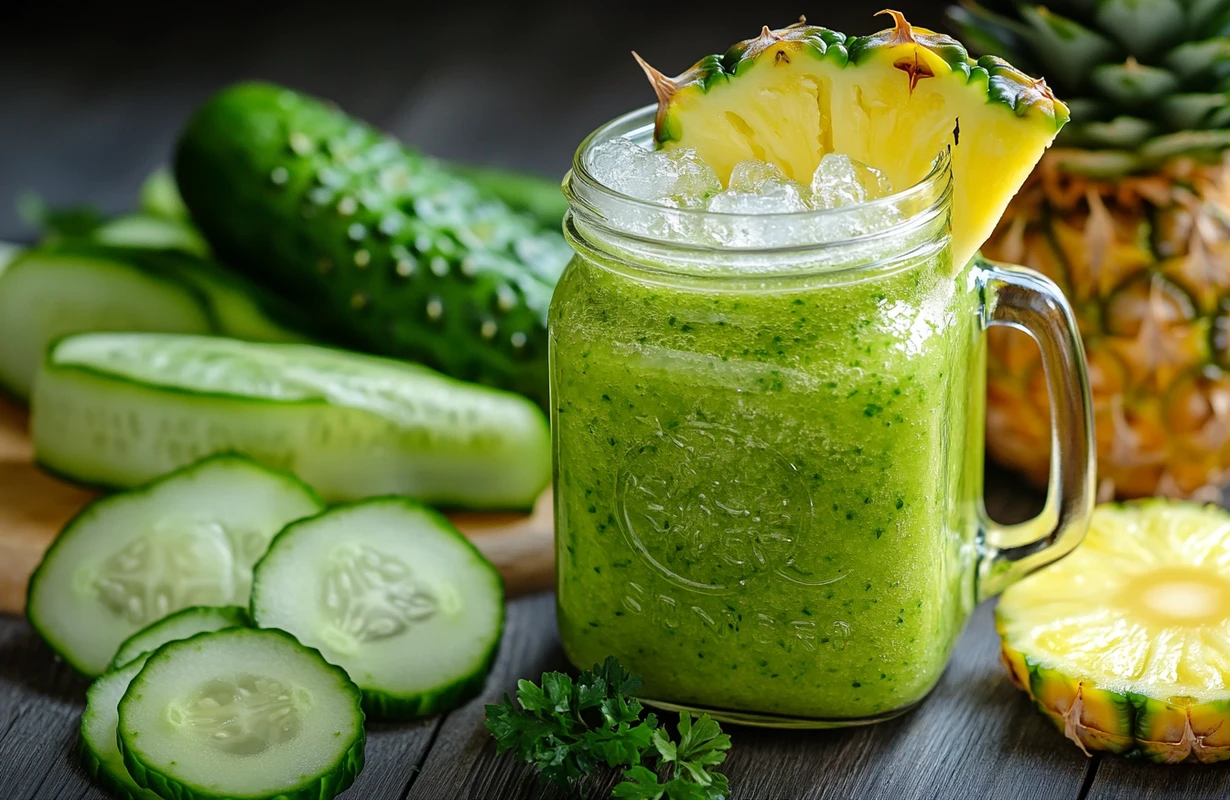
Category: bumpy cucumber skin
[384,705]
[403,258]
[92,507]
[330,782]
[235,617]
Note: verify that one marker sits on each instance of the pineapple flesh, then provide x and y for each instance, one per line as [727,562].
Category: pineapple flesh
[1125,644]
[1130,214]
[893,100]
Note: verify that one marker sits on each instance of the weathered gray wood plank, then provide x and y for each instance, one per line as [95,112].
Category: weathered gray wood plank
[1117,779]
[40,705]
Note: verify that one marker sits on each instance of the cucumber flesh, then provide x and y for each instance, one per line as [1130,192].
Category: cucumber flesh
[99,749]
[350,425]
[151,232]
[391,592]
[52,292]
[45,295]
[189,538]
[180,625]
[241,713]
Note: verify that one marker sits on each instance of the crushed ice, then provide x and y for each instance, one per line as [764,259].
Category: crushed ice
[743,213]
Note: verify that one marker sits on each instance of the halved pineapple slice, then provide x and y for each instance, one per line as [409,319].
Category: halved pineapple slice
[1125,644]
[893,100]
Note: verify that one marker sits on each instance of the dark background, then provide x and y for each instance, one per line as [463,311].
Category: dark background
[92,94]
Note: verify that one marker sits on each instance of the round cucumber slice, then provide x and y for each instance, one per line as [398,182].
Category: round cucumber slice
[130,559]
[350,425]
[180,625]
[241,714]
[99,750]
[390,591]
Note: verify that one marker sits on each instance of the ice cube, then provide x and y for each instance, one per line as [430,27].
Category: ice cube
[681,179]
[673,178]
[752,175]
[623,165]
[842,181]
[758,222]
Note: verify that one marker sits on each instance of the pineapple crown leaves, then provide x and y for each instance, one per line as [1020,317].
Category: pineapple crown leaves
[1005,84]
[1148,80]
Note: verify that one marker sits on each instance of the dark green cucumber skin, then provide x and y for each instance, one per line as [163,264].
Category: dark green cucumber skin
[400,256]
[330,784]
[541,198]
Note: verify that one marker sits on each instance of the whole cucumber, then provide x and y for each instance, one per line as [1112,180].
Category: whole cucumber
[396,253]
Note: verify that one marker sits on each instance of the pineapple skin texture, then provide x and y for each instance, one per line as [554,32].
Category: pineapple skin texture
[1155,716]
[1145,262]
[1125,724]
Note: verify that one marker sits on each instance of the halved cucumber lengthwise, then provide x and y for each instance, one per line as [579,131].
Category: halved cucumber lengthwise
[99,749]
[390,591]
[130,559]
[118,409]
[241,713]
[180,625]
[50,292]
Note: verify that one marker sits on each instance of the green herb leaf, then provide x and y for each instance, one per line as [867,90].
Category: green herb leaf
[639,783]
[566,728]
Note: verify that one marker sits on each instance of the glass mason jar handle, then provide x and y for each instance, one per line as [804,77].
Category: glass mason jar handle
[1023,299]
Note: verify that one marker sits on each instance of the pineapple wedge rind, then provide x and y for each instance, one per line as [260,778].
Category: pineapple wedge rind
[894,100]
[1125,644]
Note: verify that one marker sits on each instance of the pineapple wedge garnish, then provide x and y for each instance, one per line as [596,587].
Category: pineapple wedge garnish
[1125,644]
[893,100]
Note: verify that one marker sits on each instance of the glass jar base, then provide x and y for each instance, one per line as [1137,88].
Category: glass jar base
[755,720]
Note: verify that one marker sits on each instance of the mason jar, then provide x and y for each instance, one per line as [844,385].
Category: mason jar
[768,437]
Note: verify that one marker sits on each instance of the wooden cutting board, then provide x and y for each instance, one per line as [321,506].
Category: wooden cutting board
[34,506]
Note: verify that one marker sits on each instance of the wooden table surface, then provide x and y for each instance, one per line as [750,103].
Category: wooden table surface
[91,96]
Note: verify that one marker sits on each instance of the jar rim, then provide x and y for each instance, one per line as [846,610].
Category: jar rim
[590,199]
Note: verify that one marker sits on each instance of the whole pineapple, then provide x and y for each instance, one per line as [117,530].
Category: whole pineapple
[1130,213]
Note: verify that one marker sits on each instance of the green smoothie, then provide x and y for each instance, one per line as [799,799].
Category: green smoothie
[767,490]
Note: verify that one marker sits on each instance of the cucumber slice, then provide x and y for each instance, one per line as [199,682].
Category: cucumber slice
[180,625]
[391,592]
[130,559]
[151,232]
[350,425]
[45,295]
[99,749]
[241,713]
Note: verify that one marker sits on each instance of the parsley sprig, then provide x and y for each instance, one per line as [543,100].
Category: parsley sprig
[567,728]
